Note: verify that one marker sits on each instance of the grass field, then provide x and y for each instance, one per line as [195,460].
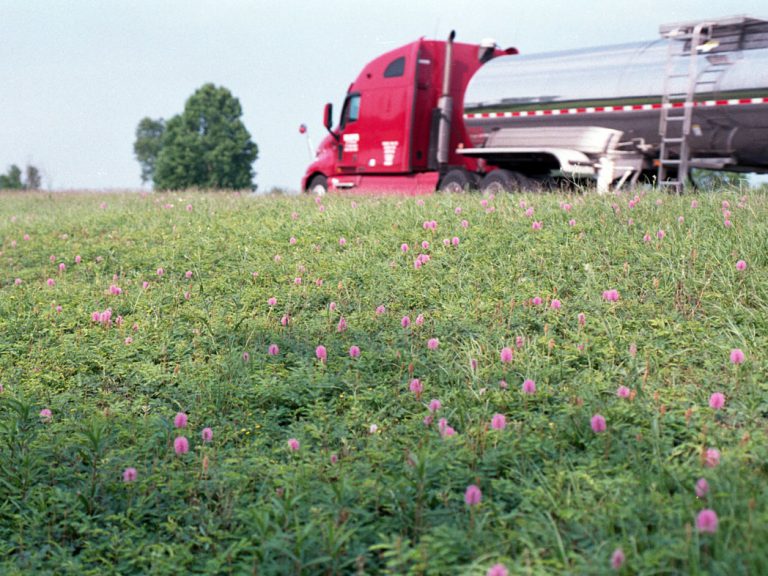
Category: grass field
[598,365]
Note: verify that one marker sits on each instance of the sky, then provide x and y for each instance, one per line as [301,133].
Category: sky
[77,76]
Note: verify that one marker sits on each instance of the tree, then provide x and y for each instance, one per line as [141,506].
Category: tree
[32,180]
[207,146]
[11,180]
[149,141]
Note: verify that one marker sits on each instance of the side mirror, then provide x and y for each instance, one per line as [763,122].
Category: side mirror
[328,116]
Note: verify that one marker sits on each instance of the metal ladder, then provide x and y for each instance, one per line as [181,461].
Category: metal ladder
[677,101]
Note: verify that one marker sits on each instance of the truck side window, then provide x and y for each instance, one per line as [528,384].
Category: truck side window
[351,110]
[395,68]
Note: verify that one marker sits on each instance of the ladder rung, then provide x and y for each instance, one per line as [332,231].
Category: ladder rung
[675,118]
[673,140]
[668,161]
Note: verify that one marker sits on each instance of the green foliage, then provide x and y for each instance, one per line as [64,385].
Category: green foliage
[149,142]
[557,497]
[207,146]
[11,180]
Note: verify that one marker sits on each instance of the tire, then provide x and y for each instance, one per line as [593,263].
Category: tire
[318,186]
[458,181]
[501,180]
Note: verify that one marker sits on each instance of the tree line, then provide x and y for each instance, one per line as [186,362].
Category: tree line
[15,179]
[206,146]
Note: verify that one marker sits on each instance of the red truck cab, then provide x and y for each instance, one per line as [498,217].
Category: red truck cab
[389,131]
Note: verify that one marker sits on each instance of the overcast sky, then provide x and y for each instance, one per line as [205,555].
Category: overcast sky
[76,76]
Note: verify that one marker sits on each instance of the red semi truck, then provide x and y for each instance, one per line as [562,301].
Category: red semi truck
[441,115]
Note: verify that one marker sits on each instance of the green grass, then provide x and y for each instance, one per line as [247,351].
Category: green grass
[557,497]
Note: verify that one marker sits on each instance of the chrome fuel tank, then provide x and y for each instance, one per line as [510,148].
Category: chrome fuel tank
[621,87]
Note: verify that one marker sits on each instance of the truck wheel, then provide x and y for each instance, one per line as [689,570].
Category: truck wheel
[318,185]
[457,181]
[502,180]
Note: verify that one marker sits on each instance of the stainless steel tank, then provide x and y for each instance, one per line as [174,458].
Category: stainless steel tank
[621,88]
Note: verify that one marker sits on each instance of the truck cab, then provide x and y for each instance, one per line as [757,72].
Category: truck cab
[387,136]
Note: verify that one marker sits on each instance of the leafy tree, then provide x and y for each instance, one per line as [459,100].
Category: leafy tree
[11,180]
[149,141]
[32,180]
[207,146]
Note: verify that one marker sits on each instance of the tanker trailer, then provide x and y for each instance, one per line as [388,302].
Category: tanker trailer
[695,98]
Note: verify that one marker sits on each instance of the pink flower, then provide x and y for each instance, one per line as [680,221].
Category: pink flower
[380,310]
[51,282]
[145,285]
[623,392]
[702,488]
[342,325]
[46,415]
[711,457]
[272,301]
[128,341]
[680,219]
[717,401]
[737,356]
[404,247]
[292,241]
[78,259]
[727,223]
[506,355]
[497,570]
[354,352]
[455,241]
[536,301]
[503,385]
[633,349]
[297,281]
[519,342]
[129,475]
[741,265]
[246,357]
[572,222]
[160,271]
[207,435]
[419,320]
[273,350]
[694,204]
[425,245]
[617,559]
[598,423]
[457,210]
[321,353]
[405,322]
[434,405]
[465,224]
[372,429]
[332,306]
[17,282]
[433,343]
[611,295]
[62,267]
[498,422]
[180,421]
[342,241]
[181,445]
[416,387]
[555,304]
[529,212]
[582,318]
[334,458]
[536,225]
[529,387]
[473,495]
[285,320]
[706,521]
[293,445]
